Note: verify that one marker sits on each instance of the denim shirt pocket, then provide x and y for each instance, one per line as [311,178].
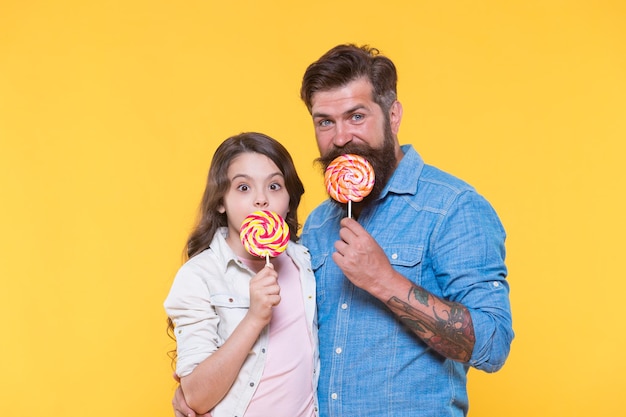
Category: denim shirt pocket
[406,259]
[317,263]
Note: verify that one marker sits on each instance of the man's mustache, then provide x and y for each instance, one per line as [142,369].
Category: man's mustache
[335,151]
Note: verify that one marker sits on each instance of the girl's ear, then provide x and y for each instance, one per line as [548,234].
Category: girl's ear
[221,209]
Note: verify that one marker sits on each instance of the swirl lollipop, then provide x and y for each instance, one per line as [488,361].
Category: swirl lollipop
[264,234]
[349,178]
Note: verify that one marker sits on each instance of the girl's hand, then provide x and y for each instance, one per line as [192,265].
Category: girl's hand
[264,294]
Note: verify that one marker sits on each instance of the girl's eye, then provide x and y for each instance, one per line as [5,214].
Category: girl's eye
[275,187]
[243,187]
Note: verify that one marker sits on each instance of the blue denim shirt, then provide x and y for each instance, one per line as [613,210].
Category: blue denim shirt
[440,234]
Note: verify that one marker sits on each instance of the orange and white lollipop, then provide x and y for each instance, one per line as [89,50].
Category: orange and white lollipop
[264,234]
[349,178]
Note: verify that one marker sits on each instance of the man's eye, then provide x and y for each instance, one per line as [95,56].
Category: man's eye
[324,123]
[357,117]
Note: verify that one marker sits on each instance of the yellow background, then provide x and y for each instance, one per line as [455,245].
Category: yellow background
[110,112]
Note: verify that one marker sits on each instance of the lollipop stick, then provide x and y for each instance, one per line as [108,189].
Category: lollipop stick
[267,259]
[349,209]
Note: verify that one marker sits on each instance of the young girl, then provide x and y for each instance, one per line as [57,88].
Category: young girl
[246,333]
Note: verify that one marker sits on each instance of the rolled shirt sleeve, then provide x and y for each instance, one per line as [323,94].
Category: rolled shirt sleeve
[470,270]
[189,306]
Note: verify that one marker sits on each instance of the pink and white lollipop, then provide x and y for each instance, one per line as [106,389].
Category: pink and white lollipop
[264,234]
[349,178]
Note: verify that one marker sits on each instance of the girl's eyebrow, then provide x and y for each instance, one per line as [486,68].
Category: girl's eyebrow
[247,177]
[236,176]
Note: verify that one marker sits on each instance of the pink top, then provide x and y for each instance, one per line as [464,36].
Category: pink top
[286,388]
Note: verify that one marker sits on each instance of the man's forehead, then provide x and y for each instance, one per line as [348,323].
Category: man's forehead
[354,95]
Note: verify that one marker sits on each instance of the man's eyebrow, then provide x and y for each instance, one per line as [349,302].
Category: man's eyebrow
[345,113]
[318,114]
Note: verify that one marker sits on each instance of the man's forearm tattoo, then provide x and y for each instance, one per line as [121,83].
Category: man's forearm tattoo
[449,330]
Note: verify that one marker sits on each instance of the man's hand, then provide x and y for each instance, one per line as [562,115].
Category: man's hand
[360,257]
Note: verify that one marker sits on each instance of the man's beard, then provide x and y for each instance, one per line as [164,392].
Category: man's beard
[383,161]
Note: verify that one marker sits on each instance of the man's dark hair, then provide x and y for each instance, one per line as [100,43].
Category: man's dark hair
[346,63]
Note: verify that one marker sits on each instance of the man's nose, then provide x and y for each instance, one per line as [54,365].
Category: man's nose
[342,135]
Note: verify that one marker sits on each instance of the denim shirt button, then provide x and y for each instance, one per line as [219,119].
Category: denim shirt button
[394,256]
[333,395]
[344,306]
[338,350]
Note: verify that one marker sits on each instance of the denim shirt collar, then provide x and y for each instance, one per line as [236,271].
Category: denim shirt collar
[405,178]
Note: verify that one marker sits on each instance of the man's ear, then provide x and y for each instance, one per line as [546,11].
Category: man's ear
[395,116]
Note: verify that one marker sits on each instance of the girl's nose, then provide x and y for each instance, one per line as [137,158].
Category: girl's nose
[260,200]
